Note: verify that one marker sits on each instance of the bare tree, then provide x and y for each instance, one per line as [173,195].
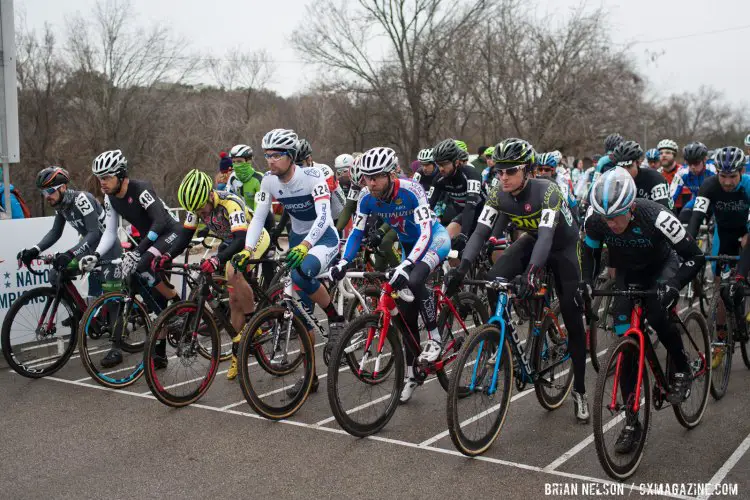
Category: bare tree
[246,72]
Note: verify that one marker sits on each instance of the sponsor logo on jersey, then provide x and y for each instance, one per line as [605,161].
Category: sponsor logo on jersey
[527,207]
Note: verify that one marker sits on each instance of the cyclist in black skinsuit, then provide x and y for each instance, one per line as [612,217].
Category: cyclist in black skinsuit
[538,209]
[84,214]
[649,184]
[644,240]
[462,185]
[138,204]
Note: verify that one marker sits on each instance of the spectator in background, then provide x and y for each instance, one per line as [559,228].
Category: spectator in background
[480,163]
[16,211]
[576,170]
[582,187]
[225,170]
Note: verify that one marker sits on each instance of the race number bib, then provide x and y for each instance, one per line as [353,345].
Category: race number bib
[488,216]
[353,195]
[359,222]
[548,218]
[237,220]
[659,192]
[670,226]
[84,205]
[261,197]
[422,214]
[146,199]
[191,221]
[320,191]
[473,186]
[701,204]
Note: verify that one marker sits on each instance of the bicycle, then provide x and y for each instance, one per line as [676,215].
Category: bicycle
[494,356]
[38,343]
[697,289]
[723,343]
[631,352]
[377,367]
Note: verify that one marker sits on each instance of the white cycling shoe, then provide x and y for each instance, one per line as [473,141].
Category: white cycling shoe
[431,352]
[410,385]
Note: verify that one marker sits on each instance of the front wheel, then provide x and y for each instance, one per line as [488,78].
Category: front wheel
[552,364]
[698,349]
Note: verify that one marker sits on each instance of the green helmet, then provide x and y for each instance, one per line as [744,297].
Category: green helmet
[194,190]
[488,152]
[462,145]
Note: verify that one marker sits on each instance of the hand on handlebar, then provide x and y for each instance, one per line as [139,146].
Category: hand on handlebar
[88,262]
[164,261]
[27,255]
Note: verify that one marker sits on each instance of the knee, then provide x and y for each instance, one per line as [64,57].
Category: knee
[304,281]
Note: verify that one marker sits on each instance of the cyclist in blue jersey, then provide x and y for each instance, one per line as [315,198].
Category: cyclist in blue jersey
[691,177]
[403,204]
[652,158]
[548,168]
[605,162]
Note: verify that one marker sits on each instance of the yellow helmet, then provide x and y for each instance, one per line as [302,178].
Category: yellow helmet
[194,190]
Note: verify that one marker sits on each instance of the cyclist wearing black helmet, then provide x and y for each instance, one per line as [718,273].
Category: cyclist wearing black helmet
[649,183]
[691,177]
[606,162]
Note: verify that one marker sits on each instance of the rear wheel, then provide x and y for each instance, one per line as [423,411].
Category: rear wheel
[550,355]
[721,348]
[601,333]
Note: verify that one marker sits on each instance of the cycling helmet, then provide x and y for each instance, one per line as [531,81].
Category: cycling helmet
[512,152]
[343,161]
[303,151]
[626,153]
[446,150]
[729,160]
[695,152]
[52,177]
[110,163]
[667,144]
[489,151]
[747,140]
[426,156]
[546,160]
[282,140]
[612,141]
[354,172]
[194,190]
[377,161]
[241,151]
[613,193]
[652,154]
[557,155]
[462,146]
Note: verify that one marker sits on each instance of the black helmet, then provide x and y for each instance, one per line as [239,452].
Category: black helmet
[729,160]
[695,152]
[612,141]
[51,177]
[626,153]
[446,150]
[303,151]
[512,152]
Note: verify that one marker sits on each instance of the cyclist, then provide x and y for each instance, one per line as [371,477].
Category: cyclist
[691,177]
[537,208]
[244,181]
[427,171]
[226,217]
[548,168]
[304,159]
[669,167]
[605,162]
[649,184]
[648,247]
[403,204]
[342,164]
[726,196]
[652,159]
[462,185]
[136,202]
[84,214]
[489,174]
[313,240]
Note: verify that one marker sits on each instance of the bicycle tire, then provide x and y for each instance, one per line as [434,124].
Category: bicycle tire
[344,416]
[613,470]
[720,374]
[352,310]
[456,392]
[550,342]
[249,347]
[103,378]
[745,354]
[158,389]
[223,310]
[46,368]
[700,362]
[601,305]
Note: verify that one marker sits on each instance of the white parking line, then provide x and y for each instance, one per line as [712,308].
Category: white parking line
[729,464]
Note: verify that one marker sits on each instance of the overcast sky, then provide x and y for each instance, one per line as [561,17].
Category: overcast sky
[694,42]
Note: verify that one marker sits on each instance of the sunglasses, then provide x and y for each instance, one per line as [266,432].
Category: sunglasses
[275,156]
[546,169]
[511,171]
[374,177]
[48,191]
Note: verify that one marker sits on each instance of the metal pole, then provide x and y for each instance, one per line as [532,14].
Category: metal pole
[6,183]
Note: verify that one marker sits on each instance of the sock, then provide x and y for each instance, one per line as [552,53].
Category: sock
[410,372]
[330,311]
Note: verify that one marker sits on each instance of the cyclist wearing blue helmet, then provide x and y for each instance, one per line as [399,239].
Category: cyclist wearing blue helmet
[652,158]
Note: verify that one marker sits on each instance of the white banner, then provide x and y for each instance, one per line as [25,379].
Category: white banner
[15,235]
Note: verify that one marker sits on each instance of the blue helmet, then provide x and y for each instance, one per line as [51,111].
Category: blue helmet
[652,155]
[729,160]
[547,160]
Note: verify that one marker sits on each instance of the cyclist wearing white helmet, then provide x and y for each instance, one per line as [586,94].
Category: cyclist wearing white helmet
[313,241]
[644,240]
[403,204]
[342,164]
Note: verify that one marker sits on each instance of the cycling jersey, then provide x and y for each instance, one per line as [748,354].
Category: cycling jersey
[349,207]
[685,179]
[143,209]
[424,179]
[408,213]
[730,209]
[305,197]
[563,181]
[487,183]
[84,214]
[652,186]
[244,181]
[464,189]
[338,199]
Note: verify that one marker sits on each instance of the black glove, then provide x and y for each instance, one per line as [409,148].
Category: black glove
[62,260]
[669,294]
[375,238]
[27,255]
[458,243]
[453,281]
[528,282]
[338,272]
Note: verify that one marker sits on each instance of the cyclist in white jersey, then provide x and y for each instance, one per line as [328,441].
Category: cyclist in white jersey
[304,159]
[313,240]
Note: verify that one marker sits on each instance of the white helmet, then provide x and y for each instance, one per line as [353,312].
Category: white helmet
[747,140]
[613,193]
[667,144]
[241,151]
[281,139]
[557,155]
[343,161]
[378,160]
[110,163]
[354,172]
[426,156]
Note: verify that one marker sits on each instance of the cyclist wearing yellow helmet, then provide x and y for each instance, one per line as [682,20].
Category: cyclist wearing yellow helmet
[227,217]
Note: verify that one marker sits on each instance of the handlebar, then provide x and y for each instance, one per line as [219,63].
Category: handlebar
[722,258]
[631,293]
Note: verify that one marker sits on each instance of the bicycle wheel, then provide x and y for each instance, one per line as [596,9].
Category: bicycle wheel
[114,321]
[721,348]
[189,374]
[611,409]
[354,308]
[743,345]
[550,355]
[364,399]
[479,392]
[274,354]
[452,334]
[601,333]
[222,309]
[39,336]
[698,349]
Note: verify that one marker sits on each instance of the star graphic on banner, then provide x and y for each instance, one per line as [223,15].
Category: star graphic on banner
[7,284]
[7,276]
